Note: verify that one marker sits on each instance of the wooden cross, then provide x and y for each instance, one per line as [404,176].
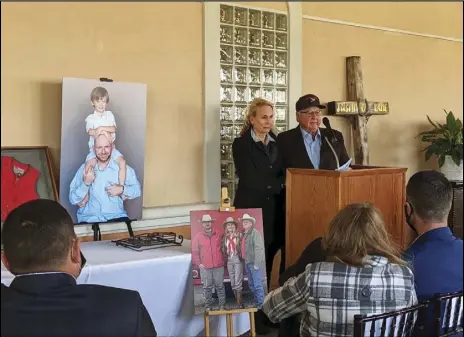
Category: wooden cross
[358,108]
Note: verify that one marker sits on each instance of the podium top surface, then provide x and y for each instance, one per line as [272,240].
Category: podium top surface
[357,170]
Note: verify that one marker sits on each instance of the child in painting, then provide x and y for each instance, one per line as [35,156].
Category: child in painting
[253,254]
[231,246]
[102,120]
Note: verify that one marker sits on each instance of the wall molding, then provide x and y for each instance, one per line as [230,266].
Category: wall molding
[381,28]
[152,218]
[295,51]
[211,100]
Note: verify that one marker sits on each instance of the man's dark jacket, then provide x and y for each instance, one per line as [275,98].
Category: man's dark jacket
[53,305]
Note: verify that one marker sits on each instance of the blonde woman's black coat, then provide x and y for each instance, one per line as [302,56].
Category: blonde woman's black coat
[261,177]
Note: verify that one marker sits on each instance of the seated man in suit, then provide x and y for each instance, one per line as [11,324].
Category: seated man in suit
[306,145]
[41,249]
[436,256]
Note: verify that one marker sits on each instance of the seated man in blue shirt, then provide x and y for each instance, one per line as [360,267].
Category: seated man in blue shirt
[101,182]
[436,255]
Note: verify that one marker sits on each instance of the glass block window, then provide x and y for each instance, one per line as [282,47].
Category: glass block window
[254,63]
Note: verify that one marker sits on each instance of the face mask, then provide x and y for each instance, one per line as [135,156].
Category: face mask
[83,261]
[409,216]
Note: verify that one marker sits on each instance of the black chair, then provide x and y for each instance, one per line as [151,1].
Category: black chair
[400,323]
[448,314]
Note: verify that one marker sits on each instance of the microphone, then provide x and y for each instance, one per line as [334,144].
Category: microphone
[326,123]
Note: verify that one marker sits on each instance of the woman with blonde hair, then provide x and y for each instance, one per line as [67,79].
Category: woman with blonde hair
[363,274]
[260,175]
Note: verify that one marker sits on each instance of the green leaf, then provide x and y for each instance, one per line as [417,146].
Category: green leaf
[456,158]
[459,124]
[441,160]
[451,123]
[442,144]
[431,132]
[430,121]
[444,140]
[428,154]
[458,150]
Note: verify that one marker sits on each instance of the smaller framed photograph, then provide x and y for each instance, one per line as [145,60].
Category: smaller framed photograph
[26,175]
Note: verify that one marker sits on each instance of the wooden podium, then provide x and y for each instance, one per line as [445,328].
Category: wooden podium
[314,197]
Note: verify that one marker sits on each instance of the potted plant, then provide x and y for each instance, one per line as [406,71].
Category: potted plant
[445,142]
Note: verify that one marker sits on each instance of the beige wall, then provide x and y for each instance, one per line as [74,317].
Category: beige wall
[160,44]
[436,18]
[416,75]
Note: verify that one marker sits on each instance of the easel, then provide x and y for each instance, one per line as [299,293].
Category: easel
[229,320]
[97,231]
[226,207]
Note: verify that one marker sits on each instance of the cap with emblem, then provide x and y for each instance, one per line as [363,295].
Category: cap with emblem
[308,101]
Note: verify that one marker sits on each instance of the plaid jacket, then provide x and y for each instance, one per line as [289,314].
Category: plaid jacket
[329,294]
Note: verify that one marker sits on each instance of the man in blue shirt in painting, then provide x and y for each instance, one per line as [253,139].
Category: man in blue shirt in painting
[105,195]
[436,256]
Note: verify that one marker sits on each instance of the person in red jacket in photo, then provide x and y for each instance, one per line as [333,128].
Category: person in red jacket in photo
[207,255]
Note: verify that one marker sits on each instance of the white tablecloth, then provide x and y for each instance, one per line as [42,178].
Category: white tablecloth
[162,277]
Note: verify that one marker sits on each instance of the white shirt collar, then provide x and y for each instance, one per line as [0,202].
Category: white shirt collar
[46,273]
[267,139]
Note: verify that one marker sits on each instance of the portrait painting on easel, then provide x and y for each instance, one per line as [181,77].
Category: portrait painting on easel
[26,175]
[102,150]
[229,269]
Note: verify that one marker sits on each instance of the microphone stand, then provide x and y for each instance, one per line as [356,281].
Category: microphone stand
[334,153]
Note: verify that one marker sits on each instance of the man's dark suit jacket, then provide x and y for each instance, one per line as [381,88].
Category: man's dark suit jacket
[294,154]
[53,305]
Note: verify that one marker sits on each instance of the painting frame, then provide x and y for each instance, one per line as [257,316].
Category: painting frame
[47,178]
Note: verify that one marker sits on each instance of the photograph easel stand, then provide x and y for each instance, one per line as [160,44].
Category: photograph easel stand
[229,320]
[97,232]
[226,207]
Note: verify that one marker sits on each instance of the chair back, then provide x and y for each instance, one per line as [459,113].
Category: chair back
[400,323]
[448,314]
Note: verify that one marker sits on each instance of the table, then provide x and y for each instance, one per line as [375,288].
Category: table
[162,277]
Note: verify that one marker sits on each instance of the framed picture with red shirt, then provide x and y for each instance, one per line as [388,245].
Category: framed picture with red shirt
[27,175]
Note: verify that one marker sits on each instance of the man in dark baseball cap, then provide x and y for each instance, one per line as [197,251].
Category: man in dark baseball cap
[306,145]
[308,101]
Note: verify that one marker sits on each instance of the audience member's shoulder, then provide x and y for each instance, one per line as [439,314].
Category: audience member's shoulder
[110,292]
[4,288]
[323,266]
[401,269]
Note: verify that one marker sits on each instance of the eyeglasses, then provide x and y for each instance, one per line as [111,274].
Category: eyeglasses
[311,113]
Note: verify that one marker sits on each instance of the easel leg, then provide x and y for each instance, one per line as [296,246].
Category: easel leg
[96,232]
[129,228]
[207,333]
[252,324]
[230,325]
